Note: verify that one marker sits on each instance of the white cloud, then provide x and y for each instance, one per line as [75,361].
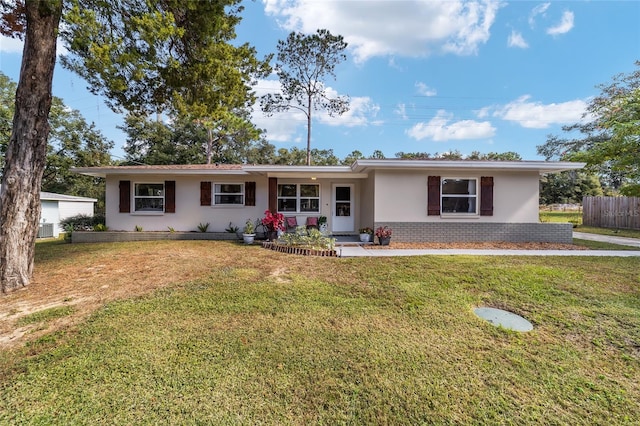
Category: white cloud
[565,25]
[440,128]
[516,40]
[540,9]
[362,111]
[535,115]
[280,127]
[401,110]
[405,28]
[425,90]
[286,126]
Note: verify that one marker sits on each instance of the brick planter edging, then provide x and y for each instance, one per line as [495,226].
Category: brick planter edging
[449,232]
[122,236]
[298,250]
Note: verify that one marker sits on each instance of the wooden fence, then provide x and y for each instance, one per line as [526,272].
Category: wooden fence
[611,212]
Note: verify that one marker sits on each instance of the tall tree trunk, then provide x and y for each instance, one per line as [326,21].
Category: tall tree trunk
[309,104]
[26,153]
[209,145]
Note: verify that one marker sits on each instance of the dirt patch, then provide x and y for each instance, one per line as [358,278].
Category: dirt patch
[90,276]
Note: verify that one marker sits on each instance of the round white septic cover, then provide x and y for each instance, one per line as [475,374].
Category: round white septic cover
[505,319]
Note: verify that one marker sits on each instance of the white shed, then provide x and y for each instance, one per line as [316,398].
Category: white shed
[57,207]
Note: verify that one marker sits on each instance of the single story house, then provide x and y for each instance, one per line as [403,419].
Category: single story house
[421,200]
[57,207]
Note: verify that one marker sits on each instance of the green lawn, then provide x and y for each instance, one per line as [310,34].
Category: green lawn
[576,218]
[268,338]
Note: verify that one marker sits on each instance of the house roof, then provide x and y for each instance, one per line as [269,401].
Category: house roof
[174,169]
[51,196]
[359,169]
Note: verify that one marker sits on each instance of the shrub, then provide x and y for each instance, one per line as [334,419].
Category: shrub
[81,222]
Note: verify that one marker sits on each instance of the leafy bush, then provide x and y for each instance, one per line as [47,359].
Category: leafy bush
[81,222]
[308,238]
[202,227]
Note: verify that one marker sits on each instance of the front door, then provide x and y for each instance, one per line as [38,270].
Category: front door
[342,214]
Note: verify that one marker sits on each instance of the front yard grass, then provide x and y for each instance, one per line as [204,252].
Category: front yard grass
[259,337]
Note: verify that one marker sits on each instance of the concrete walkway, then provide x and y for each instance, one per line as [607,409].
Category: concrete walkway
[358,251]
[622,241]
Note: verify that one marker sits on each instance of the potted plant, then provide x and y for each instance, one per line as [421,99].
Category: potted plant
[384,235]
[365,234]
[249,232]
[274,222]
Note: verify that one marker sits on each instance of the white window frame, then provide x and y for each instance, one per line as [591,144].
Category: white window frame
[298,198]
[220,184]
[158,197]
[475,197]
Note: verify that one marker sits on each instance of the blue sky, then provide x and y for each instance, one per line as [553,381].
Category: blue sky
[428,76]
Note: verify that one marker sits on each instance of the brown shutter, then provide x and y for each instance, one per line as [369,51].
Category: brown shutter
[486,196]
[433,196]
[249,193]
[205,193]
[273,194]
[169,196]
[125,196]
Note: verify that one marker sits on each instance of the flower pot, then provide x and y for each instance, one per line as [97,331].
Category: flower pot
[248,238]
[384,241]
[272,235]
[365,238]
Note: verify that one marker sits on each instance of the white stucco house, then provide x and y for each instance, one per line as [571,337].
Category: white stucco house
[57,207]
[421,200]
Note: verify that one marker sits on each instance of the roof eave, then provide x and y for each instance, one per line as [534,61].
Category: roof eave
[363,166]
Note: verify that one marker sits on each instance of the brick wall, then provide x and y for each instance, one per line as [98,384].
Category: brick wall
[480,232]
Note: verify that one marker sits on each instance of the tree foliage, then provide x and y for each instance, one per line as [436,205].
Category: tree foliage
[609,139]
[303,63]
[7,102]
[457,155]
[568,187]
[162,55]
[183,141]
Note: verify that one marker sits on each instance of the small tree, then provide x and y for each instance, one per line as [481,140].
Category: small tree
[303,62]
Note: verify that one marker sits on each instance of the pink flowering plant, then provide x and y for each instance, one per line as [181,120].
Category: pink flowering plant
[383,232]
[273,221]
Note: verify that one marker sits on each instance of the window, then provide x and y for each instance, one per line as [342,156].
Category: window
[459,196]
[228,194]
[299,198]
[148,197]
